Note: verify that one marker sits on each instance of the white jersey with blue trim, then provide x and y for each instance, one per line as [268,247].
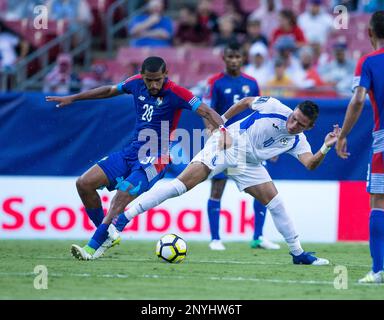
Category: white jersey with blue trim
[265,134]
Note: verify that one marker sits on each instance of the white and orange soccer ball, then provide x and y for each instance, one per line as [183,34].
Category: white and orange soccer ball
[171,248]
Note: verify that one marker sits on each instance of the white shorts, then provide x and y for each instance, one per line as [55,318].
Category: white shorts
[233,161]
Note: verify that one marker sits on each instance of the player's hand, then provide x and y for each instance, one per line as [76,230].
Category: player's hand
[331,138]
[341,148]
[62,101]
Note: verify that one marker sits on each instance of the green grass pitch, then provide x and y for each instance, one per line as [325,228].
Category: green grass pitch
[132,271]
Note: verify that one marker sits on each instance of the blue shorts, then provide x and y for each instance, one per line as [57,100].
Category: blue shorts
[220,176]
[123,173]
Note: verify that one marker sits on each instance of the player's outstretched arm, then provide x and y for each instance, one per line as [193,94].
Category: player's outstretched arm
[353,114]
[312,161]
[97,93]
[238,107]
[213,119]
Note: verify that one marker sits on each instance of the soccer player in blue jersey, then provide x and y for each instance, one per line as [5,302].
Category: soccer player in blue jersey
[134,169]
[369,78]
[224,90]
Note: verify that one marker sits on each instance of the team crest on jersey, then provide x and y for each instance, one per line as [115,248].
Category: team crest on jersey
[284,141]
[228,90]
[159,101]
[141,98]
[275,126]
[246,89]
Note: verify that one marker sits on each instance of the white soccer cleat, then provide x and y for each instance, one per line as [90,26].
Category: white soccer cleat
[80,253]
[216,245]
[372,277]
[267,244]
[112,240]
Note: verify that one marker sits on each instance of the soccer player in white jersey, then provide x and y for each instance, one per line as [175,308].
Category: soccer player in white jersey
[272,129]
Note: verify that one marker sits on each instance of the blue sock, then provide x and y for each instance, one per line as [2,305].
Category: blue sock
[96,215]
[260,213]
[214,217]
[100,235]
[376,239]
[121,222]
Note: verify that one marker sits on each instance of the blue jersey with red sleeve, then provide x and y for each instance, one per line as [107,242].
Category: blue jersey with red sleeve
[156,116]
[369,74]
[224,91]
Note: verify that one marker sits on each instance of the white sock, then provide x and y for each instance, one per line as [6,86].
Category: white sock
[284,225]
[156,195]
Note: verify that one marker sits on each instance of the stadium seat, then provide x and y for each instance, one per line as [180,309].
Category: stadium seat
[99,9]
[115,70]
[37,37]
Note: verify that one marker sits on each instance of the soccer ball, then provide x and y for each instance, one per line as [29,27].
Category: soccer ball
[171,248]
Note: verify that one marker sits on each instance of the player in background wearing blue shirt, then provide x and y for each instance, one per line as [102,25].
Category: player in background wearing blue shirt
[224,90]
[134,169]
[369,78]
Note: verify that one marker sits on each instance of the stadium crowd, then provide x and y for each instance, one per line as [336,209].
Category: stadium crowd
[290,50]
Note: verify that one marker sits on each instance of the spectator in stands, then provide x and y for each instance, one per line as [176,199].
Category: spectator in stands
[97,78]
[315,22]
[207,17]
[253,34]
[339,72]
[268,14]
[151,28]
[190,32]
[233,9]
[371,5]
[280,85]
[12,48]
[286,48]
[74,11]
[320,57]
[226,32]
[311,78]
[61,80]
[258,67]
[288,27]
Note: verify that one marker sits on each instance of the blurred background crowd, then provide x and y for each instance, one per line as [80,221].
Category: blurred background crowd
[292,47]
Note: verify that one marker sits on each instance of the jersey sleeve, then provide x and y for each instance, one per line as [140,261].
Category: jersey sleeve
[186,99]
[362,76]
[300,146]
[261,102]
[128,85]
[210,97]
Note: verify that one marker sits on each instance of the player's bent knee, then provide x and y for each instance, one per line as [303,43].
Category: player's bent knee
[82,185]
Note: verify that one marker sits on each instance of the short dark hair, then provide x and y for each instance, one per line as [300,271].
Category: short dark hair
[377,24]
[153,64]
[234,46]
[309,109]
